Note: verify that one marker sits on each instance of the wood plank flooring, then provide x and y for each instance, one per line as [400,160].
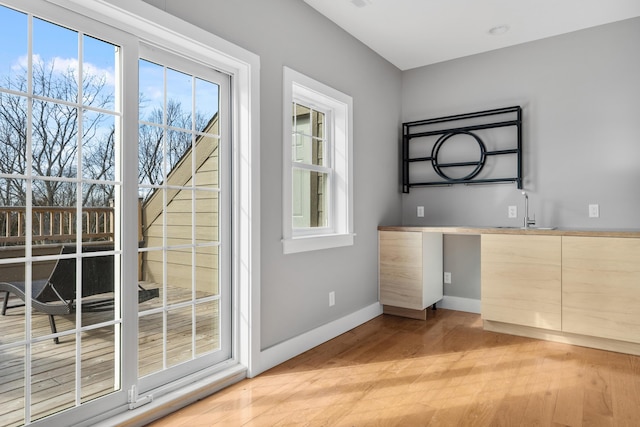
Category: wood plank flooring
[445,371]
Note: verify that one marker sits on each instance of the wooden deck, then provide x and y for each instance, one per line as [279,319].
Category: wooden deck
[53,369]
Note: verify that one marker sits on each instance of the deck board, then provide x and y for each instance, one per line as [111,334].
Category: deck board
[53,368]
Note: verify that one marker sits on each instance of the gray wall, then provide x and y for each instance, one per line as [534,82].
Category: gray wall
[581,98]
[295,288]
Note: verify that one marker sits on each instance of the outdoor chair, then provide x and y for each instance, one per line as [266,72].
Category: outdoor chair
[53,284]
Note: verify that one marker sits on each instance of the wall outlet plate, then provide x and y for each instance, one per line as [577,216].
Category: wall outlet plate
[447,277]
[420,212]
[512,212]
[594,211]
[332,299]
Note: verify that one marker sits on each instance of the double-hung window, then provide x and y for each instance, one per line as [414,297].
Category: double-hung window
[317,165]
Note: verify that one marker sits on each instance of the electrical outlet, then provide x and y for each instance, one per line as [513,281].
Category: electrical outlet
[513,212]
[332,299]
[447,277]
[594,211]
[420,212]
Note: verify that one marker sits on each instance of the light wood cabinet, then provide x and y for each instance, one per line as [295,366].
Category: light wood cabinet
[601,287]
[521,280]
[410,269]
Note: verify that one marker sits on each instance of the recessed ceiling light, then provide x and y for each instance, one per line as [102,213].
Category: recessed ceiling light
[497,30]
[361,3]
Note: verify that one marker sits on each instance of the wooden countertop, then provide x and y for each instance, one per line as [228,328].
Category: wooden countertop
[516,230]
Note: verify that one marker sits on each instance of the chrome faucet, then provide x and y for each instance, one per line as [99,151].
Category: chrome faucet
[527,221]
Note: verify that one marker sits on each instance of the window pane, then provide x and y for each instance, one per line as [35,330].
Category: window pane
[13,55]
[310,199]
[178,145]
[55,139]
[151,80]
[55,61]
[317,124]
[207,273]
[98,285]
[13,213]
[308,133]
[98,363]
[179,99]
[207,158]
[179,276]
[97,207]
[98,215]
[150,157]
[13,119]
[98,143]
[308,150]
[98,73]
[13,384]
[206,106]
[301,119]
[179,344]
[54,211]
[178,214]
[151,276]
[13,320]
[207,327]
[150,332]
[52,378]
[206,212]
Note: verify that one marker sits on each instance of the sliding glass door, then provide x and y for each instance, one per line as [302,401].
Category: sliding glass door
[91,315]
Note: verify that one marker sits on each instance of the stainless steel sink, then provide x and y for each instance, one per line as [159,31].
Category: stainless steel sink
[527,228]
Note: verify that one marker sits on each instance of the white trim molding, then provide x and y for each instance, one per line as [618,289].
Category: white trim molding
[286,350]
[469,305]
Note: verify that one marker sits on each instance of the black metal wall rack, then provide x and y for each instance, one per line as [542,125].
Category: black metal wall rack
[430,136]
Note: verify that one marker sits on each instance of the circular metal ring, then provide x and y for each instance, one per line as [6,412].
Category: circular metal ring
[478,165]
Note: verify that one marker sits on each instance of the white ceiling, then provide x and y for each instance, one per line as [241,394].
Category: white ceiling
[413,33]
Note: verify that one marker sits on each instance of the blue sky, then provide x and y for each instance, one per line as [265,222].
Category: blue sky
[58,45]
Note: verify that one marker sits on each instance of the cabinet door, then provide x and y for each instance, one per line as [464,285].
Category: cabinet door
[400,269]
[601,287]
[521,280]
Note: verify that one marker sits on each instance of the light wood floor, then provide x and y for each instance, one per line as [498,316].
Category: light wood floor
[445,371]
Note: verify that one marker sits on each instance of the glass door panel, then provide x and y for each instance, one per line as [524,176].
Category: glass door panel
[59,239]
[184,209]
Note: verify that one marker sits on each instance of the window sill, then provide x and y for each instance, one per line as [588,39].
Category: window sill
[317,242]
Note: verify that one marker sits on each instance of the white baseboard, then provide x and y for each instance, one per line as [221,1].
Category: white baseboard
[460,304]
[282,352]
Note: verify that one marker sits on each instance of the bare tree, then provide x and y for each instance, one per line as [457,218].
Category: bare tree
[152,138]
[55,139]
[55,134]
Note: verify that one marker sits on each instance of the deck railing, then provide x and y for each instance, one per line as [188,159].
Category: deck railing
[55,224]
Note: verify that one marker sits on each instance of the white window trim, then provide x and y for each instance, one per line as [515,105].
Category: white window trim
[314,94]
